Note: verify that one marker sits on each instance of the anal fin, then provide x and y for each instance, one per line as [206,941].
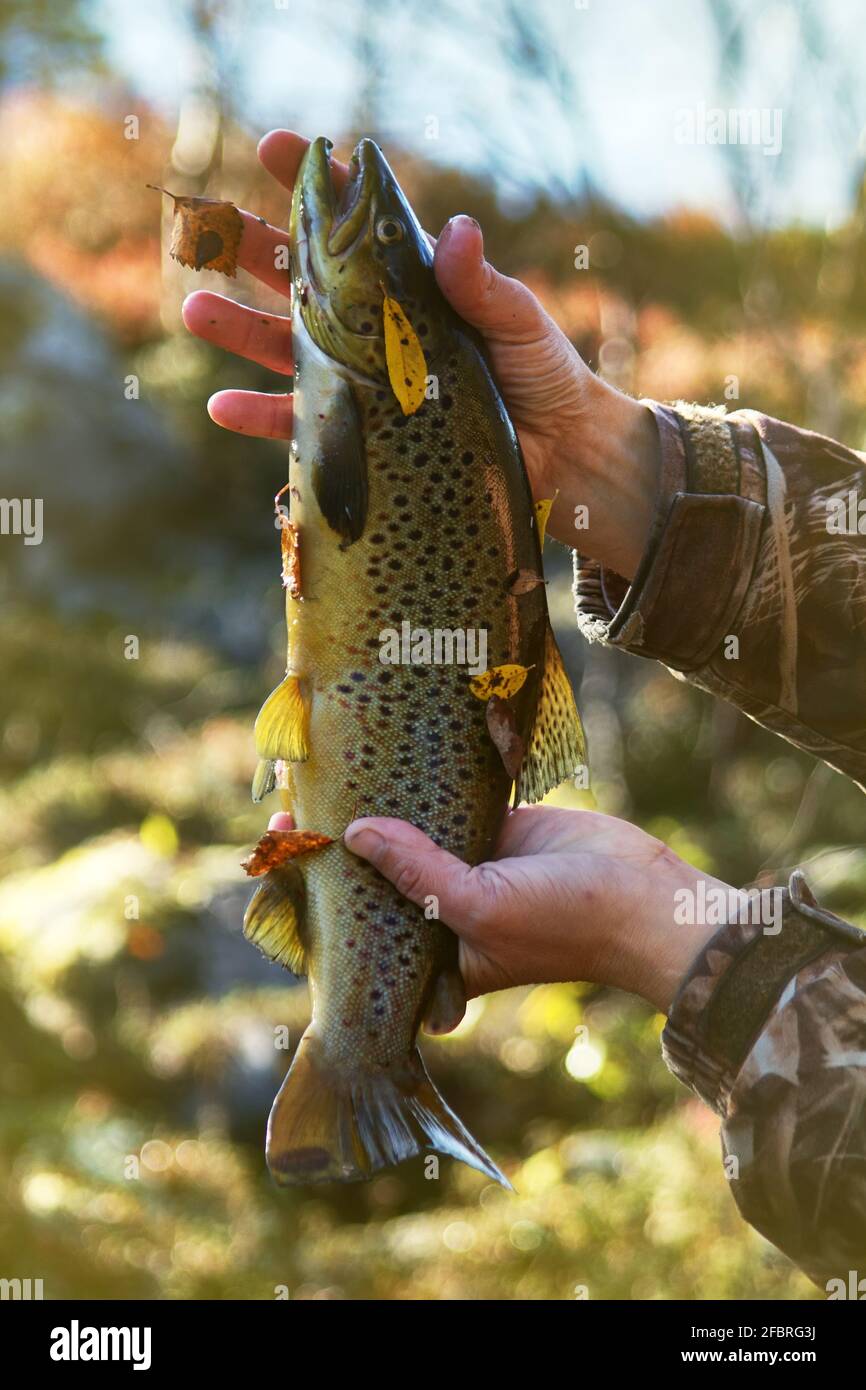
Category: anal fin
[447,1002]
[274,918]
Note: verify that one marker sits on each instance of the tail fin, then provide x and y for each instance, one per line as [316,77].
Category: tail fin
[328,1127]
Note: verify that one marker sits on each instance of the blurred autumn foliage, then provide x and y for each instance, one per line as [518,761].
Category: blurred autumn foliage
[137,1029]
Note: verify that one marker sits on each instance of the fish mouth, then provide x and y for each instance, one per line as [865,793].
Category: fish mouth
[353,211]
[333,271]
[333,224]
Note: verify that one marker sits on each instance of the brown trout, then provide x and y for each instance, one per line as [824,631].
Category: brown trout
[411,544]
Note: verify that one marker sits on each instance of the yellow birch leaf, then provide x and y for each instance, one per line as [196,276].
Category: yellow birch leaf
[499,680]
[542,512]
[407,367]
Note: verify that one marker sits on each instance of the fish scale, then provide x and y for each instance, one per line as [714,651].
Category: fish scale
[421,518]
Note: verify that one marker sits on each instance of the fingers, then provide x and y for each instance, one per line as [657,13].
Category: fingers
[252,412]
[425,874]
[281,152]
[493,303]
[264,252]
[263,338]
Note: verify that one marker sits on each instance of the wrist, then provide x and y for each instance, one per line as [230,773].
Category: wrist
[667,929]
[609,468]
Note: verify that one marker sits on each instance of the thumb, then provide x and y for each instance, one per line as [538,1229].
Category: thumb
[425,874]
[491,302]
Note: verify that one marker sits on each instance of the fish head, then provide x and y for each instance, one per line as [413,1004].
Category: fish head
[351,250]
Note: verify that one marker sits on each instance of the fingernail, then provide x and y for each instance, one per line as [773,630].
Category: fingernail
[449,227]
[369,844]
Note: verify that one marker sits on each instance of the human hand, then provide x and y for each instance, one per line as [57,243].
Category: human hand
[568,895]
[580,438]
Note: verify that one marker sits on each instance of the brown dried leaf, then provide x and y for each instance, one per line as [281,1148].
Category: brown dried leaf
[276,846]
[524,581]
[290,549]
[502,726]
[206,232]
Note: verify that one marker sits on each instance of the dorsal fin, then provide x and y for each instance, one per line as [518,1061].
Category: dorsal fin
[556,748]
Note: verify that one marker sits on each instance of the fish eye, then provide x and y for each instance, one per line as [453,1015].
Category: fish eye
[389,230]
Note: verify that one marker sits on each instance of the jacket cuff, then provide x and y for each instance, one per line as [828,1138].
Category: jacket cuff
[709,515]
[736,981]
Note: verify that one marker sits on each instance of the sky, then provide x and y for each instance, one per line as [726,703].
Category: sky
[633,96]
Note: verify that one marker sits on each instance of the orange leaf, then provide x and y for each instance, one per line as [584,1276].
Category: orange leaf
[206,232]
[276,846]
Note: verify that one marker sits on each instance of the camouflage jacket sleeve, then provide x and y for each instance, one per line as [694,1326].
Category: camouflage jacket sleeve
[753,587]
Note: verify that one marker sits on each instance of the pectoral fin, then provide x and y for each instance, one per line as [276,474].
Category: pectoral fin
[556,747]
[339,469]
